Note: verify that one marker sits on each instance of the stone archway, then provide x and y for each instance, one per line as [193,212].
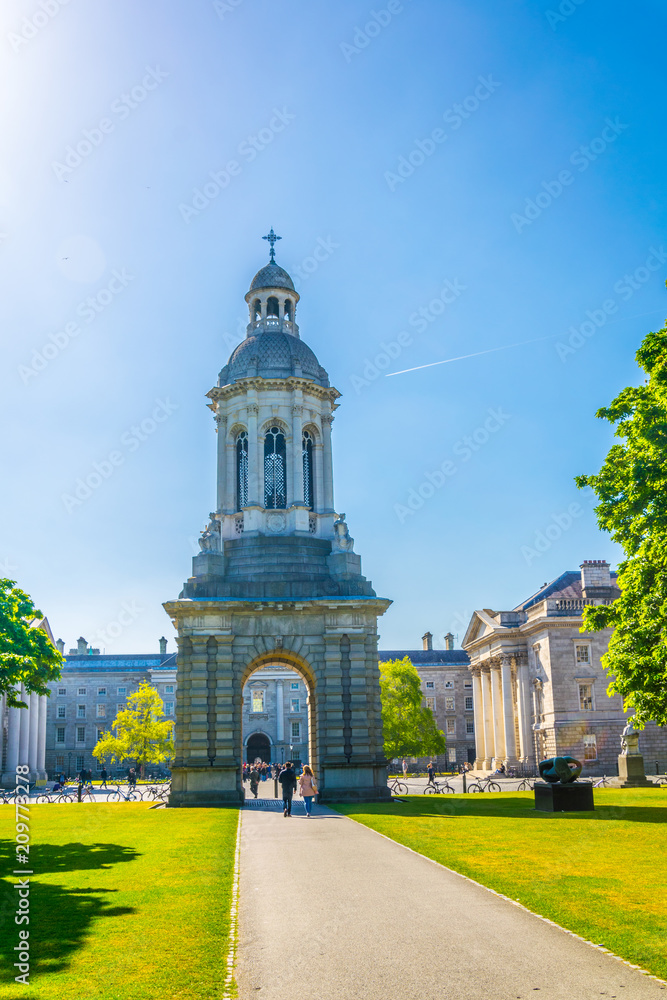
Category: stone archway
[258,745]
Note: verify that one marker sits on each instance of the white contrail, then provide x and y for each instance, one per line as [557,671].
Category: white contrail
[506,347]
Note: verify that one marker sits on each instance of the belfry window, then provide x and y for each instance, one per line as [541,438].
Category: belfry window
[307,453]
[287,309]
[256,311]
[275,479]
[242,470]
[272,308]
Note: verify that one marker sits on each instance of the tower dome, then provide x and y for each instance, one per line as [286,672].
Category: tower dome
[271,276]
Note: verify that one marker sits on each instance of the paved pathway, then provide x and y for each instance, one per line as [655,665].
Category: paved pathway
[329,910]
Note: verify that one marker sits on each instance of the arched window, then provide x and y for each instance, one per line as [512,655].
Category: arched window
[242,470]
[275,478]
[287,309]
[308,478]
[256,310]
[272,308]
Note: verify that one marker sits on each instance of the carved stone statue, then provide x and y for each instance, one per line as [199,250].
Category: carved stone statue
[209,540]
[563,769]
[630,740]
[343,541]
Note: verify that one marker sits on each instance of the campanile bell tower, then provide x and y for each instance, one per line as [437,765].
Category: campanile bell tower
[277,580]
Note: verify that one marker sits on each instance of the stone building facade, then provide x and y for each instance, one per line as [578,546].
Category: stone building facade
[448,692]
[539,687]
[275,716]
[277,582]
[92,689]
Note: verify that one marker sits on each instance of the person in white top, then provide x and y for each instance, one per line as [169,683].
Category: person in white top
[307,788]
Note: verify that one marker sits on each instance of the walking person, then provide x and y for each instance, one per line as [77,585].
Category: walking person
[254,780]
[104,775]
[430,770]
[404,765]
[287,779]
[307,788]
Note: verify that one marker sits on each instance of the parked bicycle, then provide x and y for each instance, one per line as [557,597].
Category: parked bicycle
[132,794]
[438,788]
[398,787]
[64,794]
[602,782]
[484,785]
[526,785]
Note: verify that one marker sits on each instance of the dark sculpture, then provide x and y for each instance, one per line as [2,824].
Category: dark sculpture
[563,769]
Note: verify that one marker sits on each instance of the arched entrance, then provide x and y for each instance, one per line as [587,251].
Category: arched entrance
[258,745]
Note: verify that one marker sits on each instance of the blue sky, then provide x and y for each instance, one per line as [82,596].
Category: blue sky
[533,211]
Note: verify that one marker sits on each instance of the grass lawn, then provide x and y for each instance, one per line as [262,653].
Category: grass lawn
[127,902]
[602,874]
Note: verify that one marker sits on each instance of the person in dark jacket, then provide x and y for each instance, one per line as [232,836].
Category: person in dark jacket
[287,779]
[104,774]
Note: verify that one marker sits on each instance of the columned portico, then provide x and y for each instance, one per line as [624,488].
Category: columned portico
[487,719]
[508,711]
[497,709]
[479,717]
[26,738]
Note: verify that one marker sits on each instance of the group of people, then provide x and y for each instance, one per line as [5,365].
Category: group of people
[287,777]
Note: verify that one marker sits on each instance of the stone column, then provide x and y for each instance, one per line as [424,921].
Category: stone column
[254,458]
[497,710]
[230,478]
[478,717]
[297,458]
[33,733]
[318,459]
[523,712]
[508,712]
[359,717]
[280,712]
[13,734]
[221,425]
[487,719]
[25,729]
[327,464]
[199,702]
[41,738]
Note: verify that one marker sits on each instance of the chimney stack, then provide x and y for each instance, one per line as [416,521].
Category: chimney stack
[595,579]
[81,646]
[449,641]
[60,645]
[427,640]
[163,646]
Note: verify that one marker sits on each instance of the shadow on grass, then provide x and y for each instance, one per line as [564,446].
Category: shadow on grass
[507,807]
[60,915]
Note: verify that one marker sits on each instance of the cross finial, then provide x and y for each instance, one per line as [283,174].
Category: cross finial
[272,239]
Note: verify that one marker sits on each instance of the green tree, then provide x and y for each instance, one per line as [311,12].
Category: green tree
[632,491]
[409,727]
[27,655]
[140,731]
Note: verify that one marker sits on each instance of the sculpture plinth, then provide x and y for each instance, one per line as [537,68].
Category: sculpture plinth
[574,797]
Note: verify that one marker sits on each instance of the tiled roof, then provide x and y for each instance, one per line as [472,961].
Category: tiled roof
[567,585]
[427,657]
[121,661]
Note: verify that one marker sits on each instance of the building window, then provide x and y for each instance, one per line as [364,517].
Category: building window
[429,684]
[469,705]
[449,684]
[79,763]
[80,734]
[295,705]
[169,689]
[586,697]
[308,479]
[169,708]
[451,727]
[60,734]
[122,691]
[468,683]
[60,763]
[583,654]
[242,470]
[101,711]
[294,686]
[449,704]
[61,711]
[296,732]
[272,307]
[590,747]
[81,711]
[451,755]
[430,703]
[62,692]
[257,701]
[275,478]
[101,692]
[81,691]
[120,708]
[470,727]
[100,734]
[99,765]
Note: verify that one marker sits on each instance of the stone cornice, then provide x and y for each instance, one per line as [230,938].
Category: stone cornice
[321,605]
[226,392]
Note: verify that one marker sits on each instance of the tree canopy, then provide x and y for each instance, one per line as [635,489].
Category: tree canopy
[631,488]
[409,727]
[141,732]
[27,655]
